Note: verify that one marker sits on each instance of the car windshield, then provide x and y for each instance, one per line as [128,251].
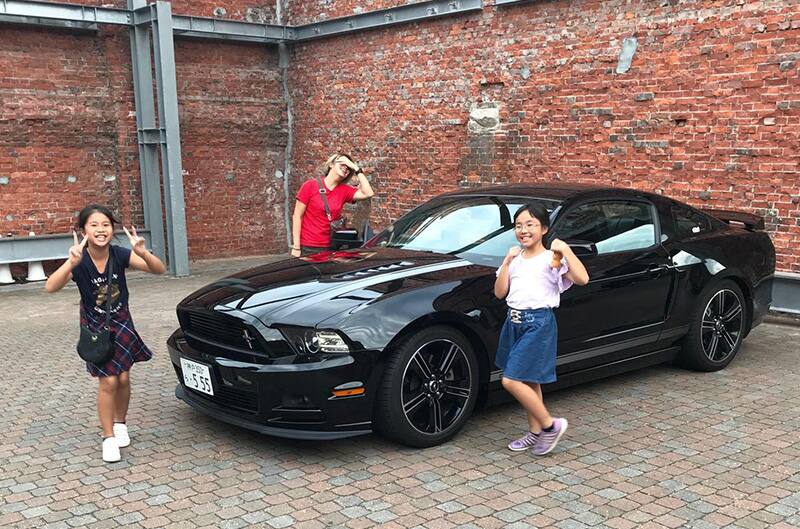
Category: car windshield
[477,228]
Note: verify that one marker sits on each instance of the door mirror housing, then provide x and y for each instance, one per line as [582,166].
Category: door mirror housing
[346,238]
[582,248]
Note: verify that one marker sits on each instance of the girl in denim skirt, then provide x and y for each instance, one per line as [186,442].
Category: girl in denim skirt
[531,279]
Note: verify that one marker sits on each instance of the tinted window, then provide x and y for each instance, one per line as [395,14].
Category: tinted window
[687,222]
[614,226]
[480,229]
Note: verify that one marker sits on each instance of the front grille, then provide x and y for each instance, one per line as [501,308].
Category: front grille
[231,398]
[223,335]
[225,396]
[219,328]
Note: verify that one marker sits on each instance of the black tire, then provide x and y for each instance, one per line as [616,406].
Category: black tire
[429,388]
[718,326]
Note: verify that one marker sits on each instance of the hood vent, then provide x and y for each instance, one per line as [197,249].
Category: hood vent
[375,270]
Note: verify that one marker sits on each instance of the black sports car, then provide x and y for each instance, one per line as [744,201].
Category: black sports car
[399,335]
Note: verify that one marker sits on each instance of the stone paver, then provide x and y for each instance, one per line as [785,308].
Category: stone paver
[660,447]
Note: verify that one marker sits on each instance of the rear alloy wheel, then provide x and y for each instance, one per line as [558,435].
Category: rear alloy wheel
[717,328]
[429,389]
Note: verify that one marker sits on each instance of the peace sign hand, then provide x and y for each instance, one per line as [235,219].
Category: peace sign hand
[76,250]
[137,242]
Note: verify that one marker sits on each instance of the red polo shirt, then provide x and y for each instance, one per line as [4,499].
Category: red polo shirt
[315,229]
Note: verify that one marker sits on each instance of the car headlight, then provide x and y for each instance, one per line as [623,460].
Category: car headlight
[330,342]
[311,341]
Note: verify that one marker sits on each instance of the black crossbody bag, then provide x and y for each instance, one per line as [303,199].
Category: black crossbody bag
[98,347]
[341,237]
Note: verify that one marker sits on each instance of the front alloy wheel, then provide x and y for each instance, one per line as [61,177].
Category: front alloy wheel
[430,388]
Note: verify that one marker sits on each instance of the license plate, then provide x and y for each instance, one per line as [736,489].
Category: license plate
[197,376]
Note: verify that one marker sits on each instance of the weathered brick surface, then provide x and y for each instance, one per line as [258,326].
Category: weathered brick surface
[61,145]
[658,448]
[68,133]
[309,11]
[233,132]
[708,112]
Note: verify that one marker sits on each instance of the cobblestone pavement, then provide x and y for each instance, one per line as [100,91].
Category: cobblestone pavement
[658,448]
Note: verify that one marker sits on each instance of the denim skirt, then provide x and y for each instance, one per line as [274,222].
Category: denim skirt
[527,347]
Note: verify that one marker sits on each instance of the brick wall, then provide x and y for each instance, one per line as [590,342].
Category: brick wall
[63,139]
[709,111]
[233,140]
[68,133]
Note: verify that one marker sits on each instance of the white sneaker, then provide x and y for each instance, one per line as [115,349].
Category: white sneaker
[121,434]
[111,450]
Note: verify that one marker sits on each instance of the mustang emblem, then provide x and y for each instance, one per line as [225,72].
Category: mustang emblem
[247,338]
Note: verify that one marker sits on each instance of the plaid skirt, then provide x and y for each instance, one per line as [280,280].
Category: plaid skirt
[128,345]
[527,348]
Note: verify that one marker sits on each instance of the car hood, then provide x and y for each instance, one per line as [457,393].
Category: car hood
[310,290]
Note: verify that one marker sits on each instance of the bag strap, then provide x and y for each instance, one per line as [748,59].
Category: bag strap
[110,267]
[324,199]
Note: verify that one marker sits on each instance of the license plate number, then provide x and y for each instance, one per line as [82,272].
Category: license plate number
[197,376]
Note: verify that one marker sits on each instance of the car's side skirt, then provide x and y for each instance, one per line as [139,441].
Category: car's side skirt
[498,394]
[582,360]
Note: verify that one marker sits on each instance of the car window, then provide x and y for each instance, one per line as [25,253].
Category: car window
[687,222]
[614,226]
[479,229]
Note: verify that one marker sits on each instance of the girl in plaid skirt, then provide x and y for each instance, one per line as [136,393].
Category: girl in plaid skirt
[88,266]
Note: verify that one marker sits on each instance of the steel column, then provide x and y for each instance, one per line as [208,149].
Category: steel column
[145,127]
[168,119]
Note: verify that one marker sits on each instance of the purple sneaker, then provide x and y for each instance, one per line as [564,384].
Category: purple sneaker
[523,443]
[548,440]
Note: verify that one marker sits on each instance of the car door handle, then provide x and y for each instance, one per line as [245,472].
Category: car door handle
[658,269]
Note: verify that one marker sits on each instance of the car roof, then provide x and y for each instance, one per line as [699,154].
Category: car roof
[559,191]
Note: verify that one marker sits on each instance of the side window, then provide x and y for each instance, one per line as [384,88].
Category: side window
[688,222]
[614,226]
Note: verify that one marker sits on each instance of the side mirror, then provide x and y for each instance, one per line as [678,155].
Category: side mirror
[345,238]
[582,247]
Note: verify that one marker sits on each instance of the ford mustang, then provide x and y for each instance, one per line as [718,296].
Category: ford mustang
[398,336]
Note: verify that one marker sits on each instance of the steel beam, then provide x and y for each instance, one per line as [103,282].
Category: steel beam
[48,23]
[386,17]
[26,12]
[87,17]
[171,169]
[507,2]
[48,247]
[220,29]
[213,28]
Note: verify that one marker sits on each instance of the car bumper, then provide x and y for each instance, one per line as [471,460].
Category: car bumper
[291,399]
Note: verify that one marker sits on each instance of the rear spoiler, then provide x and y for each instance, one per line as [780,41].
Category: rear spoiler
[747,220]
